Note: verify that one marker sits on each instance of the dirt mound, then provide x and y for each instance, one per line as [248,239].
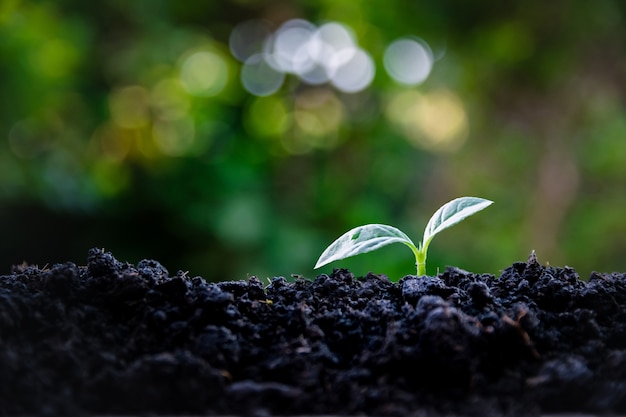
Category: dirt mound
[113,338]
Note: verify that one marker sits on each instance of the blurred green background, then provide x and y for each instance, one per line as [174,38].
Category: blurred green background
[242,137]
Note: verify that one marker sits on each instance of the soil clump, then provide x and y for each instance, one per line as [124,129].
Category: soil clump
[115,338]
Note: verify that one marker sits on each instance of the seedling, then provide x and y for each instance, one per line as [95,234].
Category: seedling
[370,237]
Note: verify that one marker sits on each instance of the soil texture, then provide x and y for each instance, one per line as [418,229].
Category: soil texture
[114,338]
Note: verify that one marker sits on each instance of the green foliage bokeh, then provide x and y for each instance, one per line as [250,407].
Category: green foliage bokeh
[103,145]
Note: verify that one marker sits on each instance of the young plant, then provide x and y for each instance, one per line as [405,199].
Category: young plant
[370,237]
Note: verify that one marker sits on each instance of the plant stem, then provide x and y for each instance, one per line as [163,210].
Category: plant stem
[420,257]
[420,262]
[421,269]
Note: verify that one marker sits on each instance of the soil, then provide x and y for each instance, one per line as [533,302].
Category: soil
[113,338]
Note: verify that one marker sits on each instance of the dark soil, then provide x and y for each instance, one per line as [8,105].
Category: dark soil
[113,338]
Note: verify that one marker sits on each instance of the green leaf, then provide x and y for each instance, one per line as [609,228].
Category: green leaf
[362,239]
[451,213]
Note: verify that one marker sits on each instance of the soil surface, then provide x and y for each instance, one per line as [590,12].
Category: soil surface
[113,338]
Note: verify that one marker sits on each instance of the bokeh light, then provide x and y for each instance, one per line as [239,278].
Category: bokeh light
[129,107]
[316,55]
[318,114]
[436,121]
[260,78]
[352,70]
[247,39]
[174,137]
[168,99]
[204,74]
[287,50]
[268,117]
[408,61]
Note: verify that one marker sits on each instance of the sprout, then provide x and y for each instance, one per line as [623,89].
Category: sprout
[370,237]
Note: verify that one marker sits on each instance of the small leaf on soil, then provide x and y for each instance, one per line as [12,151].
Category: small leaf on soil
[451,213]
[362,239]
